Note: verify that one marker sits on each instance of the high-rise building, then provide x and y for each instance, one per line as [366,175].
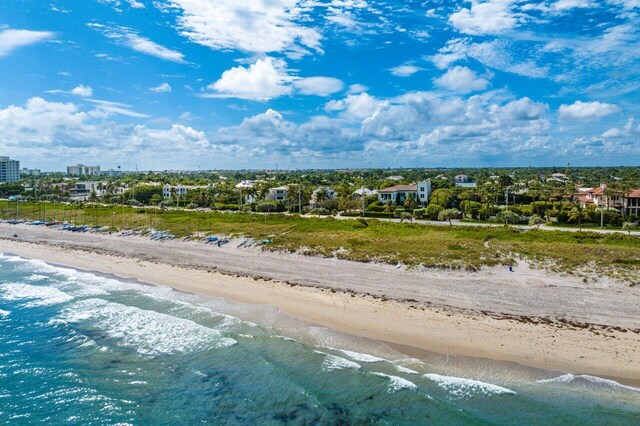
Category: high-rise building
[82,170]
[30,172]
[9,170]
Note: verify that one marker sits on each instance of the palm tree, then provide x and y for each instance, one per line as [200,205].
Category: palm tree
[410,202]
[577,213]
[389,207]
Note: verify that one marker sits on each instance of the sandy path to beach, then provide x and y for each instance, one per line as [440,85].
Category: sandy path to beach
[532,317]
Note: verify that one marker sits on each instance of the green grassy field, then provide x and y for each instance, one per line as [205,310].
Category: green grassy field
[582,253]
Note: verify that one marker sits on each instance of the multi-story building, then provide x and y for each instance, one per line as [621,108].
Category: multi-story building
[279,193]
[9,170]
[399,193]
[82,170]
[30,172]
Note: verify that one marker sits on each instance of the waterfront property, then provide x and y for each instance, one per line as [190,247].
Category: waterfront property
[9,170]
[279,193]
[399,193]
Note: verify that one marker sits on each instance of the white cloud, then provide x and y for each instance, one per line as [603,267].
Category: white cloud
[129,38]
[11,40]
[497,54]
[358,107]
[486,17]
[82,90]
[135,4]
[405,70]
[616,132]
[106,109]
[357,88]
[265,79]
[462,80]
[162,88]
[319,86]
[586,110]
[41,128]
[257,26]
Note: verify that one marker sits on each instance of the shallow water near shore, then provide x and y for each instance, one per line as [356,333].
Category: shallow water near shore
[79,347]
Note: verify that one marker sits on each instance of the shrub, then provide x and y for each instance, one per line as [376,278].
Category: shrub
[508,216]
[432,211]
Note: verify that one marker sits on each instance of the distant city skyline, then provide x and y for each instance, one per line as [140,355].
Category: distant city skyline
[300,84]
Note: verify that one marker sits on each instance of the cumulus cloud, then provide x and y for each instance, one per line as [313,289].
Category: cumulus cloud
[37,128]
[162,88]
[405,70]
[11,40]
[485,17]
[319,86]
[265,79]
[616,132]
[462,80]
[258,27]
[82,90]
[268,78]
[129,38]
[587,110]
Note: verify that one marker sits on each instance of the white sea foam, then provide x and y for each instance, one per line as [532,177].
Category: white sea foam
[461,387]
[36,277]
[571,378]
[405,370]
[149,332]
[397,383]
[35,295]
[361,357]
[332,363]
[4,313]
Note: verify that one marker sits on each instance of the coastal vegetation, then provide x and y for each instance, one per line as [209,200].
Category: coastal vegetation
[587,254]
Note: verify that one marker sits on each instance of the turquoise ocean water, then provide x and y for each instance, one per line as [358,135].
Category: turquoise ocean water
[81,348]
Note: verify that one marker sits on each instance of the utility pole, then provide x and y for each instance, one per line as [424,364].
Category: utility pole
[300,198]
[362,200]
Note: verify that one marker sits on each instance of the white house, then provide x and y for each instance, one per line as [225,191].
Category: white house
[329,194]
[179,191]
[279,193]
[399,193]
[358,193]
[82,190]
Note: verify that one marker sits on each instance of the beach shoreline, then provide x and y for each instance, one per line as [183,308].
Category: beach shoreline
[606,349]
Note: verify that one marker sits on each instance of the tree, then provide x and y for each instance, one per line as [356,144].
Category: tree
[504,180]
[432,211]
[577,214]
[448,214]
[406,216]
[410,202]
[508,216]
[628,226]
[389,207]
[536,221]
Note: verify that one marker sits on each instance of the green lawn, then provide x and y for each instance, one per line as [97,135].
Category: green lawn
[616,255]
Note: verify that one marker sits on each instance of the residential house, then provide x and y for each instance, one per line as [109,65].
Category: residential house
[628,204]
[394,178]
[246,189]
[399,193]
[559,177]
[358,193]
[180,191]
[280,193]
[83,190]
[463,181]
[322,193]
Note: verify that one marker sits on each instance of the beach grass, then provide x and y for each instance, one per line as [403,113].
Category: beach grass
[458,247]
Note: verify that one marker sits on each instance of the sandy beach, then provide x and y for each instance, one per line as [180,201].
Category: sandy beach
[532,317]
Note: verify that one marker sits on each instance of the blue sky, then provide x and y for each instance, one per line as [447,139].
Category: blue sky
[188,84]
